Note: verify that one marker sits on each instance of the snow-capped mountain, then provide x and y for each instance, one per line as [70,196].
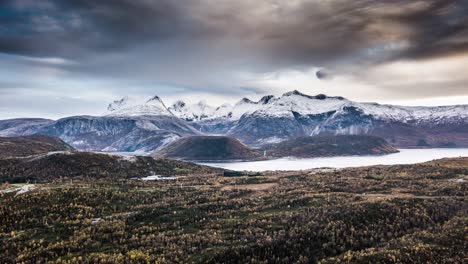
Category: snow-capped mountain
[126,126]
[195,112]
[130,125]
[125,107]
[203,112]
[294,114]
[118,133]
[295,102]
[118,104]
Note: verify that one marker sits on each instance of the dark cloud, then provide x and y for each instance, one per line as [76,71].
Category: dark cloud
[281,33]
[437,28]
[73,28]
[322,74]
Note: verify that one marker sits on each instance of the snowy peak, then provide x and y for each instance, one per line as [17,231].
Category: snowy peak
[151,107]
[117,104]
[295,102]
[177,106]
[317,97]
[295,92]
[195,112]
[246,101]
[266,99]
[155,100]
[288,105]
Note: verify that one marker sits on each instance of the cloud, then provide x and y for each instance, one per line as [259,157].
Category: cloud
[226,47]
[50,60]
[322,74]
[281,33]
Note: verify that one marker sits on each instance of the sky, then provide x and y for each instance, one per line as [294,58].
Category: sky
[61,58]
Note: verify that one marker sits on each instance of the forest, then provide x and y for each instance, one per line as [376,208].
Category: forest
[379,214]
[91,165]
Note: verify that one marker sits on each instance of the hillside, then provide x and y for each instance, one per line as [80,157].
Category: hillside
[380,214]
[53,166]
[324,146]
[207,148]
[30,145]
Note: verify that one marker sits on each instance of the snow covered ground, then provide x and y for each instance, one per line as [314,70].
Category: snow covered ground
[20,190]
[158,178]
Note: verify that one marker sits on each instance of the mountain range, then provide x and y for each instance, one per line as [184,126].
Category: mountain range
[149,125]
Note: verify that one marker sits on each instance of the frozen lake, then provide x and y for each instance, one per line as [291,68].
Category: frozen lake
[405,156]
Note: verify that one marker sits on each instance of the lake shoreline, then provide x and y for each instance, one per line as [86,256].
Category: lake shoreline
[405,156]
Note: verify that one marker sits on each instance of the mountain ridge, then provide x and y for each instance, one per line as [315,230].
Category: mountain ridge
[293,101]
[148,125]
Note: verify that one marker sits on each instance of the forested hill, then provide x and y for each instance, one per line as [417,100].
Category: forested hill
[324,146]
[48,167]
[379,214]
[208,148]
[30,145]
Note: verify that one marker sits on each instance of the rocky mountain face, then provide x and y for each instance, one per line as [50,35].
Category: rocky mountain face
[125,126]
[119,133]
[148,125]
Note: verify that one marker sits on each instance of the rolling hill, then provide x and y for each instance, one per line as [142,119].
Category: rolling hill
[57,165]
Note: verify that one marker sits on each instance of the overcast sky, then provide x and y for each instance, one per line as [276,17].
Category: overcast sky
[60,58]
